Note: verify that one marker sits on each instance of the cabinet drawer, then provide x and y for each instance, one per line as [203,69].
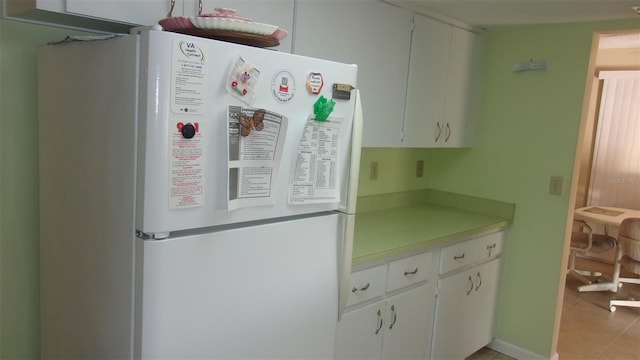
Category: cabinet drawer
[411,270]
[457,256]
[489,246]
[367,284]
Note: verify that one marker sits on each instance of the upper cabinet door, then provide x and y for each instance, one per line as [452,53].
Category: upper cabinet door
[443,85]
[140,12]
[462,87]
[430,46]
[377,37]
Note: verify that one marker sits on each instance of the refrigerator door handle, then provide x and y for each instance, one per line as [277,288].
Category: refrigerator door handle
[354,163]
[345,263]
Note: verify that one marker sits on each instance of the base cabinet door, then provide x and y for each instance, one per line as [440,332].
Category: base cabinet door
[408,324]
[482,314]
[465,311]
[359,334]
[396,328]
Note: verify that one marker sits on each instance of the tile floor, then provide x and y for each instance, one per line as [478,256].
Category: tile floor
[588,330]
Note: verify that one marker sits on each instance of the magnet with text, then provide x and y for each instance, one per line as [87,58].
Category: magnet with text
[242,81]
[283,86]
[342,91]
[315,82]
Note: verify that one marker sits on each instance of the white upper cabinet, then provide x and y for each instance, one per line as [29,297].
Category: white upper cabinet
[120,15]
[430,47]
[443,85]
[462,87]
[377,37]
[138,12]
[100,15]
[417,76]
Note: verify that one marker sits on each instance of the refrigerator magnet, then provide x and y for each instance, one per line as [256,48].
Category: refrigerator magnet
[283,86]
[242,81]
[342,91]
[315,82]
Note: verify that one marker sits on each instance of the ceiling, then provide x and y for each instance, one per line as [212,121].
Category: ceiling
[487,13]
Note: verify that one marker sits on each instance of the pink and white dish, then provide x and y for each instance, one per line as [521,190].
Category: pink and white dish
[226,19]
[176,23]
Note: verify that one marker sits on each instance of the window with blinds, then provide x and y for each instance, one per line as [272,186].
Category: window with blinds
[615,170]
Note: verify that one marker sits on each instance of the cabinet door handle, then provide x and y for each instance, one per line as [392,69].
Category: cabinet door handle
[364,288]
[471,287]
[394,315]
[458,257]
[379,322]
[439,131]
[479,281]
[448,133]
[411,272]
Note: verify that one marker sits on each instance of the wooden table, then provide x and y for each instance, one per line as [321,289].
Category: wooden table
[611,218]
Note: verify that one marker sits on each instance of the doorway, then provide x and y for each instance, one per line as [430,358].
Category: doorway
[610,51]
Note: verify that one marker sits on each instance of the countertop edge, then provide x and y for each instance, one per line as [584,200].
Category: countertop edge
[430,244]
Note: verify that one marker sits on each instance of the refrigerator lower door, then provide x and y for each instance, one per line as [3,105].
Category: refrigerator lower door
[266,291]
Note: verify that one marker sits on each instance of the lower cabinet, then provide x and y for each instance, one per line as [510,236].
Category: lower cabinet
[395,328]
[390,311]
[466,304]
[434,305]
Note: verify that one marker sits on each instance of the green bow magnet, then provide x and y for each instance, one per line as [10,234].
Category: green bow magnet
[322,108]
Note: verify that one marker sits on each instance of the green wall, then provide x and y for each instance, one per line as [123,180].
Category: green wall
[527,131]
[19,278]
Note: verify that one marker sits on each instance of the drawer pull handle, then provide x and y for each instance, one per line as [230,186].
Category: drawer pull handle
[364,288]
[471,288]
[439,131]
[379,322]
[490,248]
[456,257]
[411,272]
[395,316]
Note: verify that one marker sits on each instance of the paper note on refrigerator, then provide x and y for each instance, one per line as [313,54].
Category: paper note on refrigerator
[315,177]
[255,141]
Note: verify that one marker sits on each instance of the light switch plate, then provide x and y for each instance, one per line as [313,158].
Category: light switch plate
[373,171]
[420,168]
[555,185]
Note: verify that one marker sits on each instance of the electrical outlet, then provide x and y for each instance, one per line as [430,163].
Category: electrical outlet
[419,168]
[555,185]
[373,171]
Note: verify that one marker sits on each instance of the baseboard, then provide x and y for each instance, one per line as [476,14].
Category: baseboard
[517,352]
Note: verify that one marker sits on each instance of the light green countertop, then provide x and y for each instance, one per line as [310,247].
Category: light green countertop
[394,225]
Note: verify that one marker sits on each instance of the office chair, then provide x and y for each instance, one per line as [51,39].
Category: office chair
[629,240]
[583,240]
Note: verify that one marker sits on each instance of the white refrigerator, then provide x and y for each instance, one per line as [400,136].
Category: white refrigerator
[193,202]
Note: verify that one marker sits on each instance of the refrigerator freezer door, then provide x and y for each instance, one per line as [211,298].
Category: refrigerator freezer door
[267,291]
[165,89]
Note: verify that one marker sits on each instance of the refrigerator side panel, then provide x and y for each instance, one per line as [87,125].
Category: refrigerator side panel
[186,180]
[348,203]
[345,255]
[87,114]
[267,291]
